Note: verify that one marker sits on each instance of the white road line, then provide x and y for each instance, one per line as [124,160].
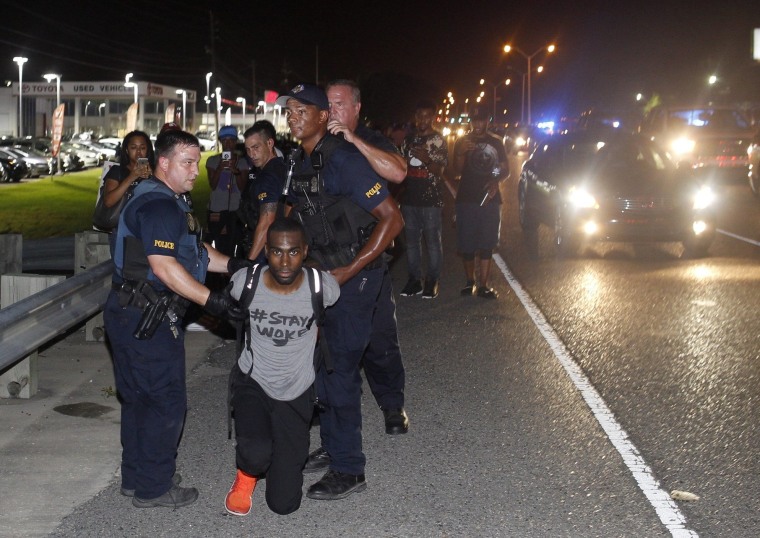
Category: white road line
[666,508]
[739,237]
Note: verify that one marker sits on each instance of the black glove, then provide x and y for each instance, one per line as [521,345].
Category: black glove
[236,264]
[222,305]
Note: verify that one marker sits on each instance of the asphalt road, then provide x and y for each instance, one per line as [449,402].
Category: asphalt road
[572,406]
[670,344]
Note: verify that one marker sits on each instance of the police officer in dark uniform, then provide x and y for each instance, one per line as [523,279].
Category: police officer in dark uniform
[266,179]
[385,375]
[349,220]
[159,266]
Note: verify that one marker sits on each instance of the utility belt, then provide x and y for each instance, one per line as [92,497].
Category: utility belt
[156,306]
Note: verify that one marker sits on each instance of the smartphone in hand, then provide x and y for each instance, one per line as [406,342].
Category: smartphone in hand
[143,167]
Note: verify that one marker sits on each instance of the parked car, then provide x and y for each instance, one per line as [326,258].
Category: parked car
[207,144]
[710,138]
[39,143]
[37,163]
[88,156]
[107,151]
[753,172]
[12,169]
[613,186]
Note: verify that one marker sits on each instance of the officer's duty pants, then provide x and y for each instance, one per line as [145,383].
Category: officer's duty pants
[362,320]
[150,380]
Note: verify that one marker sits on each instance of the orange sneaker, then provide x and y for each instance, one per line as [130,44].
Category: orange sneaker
[238,500]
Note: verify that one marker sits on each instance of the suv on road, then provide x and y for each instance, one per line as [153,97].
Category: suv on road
[707,138]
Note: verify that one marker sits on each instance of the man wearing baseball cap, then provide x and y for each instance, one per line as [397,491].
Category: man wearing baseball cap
[481,160]
[349,219]
[227,175]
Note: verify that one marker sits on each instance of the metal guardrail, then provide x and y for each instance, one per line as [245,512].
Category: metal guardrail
[31,322]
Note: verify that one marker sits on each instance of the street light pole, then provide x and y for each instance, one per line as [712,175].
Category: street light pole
[242,100]
[128,84]
[529,58]
[217,117]
[208,91]
[507,82]
[20,60]
[85,114]
[184,106]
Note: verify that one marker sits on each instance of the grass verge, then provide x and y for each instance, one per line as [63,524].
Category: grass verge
[60,206]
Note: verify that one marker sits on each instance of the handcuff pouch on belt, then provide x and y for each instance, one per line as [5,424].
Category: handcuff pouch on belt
[156,306]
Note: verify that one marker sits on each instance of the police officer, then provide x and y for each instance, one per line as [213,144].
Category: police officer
[384,376]
[349,220]
[265,182]
[159,267]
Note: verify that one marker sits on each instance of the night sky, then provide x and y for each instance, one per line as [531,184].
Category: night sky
[606,51]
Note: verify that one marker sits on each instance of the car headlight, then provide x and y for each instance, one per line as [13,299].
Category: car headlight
[520,141]
[704,198]
[445,131]
[682,145]
[582,199]
[460,131]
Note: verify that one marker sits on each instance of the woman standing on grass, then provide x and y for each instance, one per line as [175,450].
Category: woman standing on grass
[129,171]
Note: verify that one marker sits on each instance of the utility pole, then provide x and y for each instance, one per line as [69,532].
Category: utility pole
[253,92]
[213,70]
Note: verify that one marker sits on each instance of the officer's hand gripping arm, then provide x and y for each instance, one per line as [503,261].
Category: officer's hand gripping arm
[222,305]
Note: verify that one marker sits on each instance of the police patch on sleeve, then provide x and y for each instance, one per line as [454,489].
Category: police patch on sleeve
[169,245]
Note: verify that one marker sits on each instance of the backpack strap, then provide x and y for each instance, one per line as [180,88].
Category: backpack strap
[246,298]
[243,332]
[317,297]
[322,353]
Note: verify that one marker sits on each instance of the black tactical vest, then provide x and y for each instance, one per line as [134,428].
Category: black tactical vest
[336,228]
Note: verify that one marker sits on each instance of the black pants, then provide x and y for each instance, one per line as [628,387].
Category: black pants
[272,439]
[150,378]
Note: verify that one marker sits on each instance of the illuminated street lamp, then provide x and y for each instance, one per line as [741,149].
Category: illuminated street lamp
[101,106]
[128,84]
[85,115]
[549,49]
[49,77]
[242,100]
[712,79]
[507,82]
[218,114]
[208,92]
[20,60]
[184,108]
